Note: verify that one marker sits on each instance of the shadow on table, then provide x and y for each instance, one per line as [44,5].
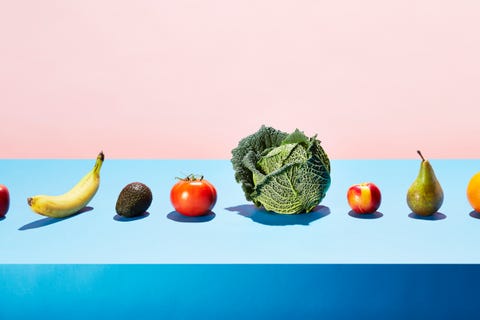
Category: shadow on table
[48,221]
[434,217]
[268,218]
[178,217]
[2,218]
[374,215]
[127,219]
[474,214]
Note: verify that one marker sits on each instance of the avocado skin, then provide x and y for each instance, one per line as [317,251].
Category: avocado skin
[134,199]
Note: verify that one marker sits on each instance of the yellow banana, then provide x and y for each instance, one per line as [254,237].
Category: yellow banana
[71,202]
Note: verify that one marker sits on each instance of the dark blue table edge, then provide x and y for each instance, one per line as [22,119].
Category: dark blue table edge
[239,291]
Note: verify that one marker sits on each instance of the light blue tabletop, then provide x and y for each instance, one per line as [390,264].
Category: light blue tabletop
[237,232]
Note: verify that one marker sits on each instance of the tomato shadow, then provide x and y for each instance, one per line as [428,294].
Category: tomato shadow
[434,217]
[366,216]
[269,218]
[178,217]
[474,214]
[48,221]
[120,218]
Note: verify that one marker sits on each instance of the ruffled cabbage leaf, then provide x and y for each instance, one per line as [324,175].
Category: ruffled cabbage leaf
[284,173]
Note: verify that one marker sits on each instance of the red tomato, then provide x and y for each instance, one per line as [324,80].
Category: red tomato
[193,196]
[4,200]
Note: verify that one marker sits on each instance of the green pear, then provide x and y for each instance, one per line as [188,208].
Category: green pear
[425,195]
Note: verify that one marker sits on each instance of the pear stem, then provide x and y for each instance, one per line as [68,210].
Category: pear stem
[418,151]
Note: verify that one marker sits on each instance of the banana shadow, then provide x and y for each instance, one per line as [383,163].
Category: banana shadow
[178,217]
[268,218]
[374,215]
[474,214]
[127,219]
[48,221]
[434,217]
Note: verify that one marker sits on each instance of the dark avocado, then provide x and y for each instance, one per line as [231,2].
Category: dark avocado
[134,199]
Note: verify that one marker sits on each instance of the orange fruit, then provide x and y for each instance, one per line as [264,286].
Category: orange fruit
[473,192]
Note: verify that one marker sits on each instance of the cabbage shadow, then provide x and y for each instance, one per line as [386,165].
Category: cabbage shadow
[120,218]
[48,221]
[178,217]
[269,218]
[434,217]
[474,214]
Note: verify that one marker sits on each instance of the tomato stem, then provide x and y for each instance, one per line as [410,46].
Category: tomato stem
[191,177]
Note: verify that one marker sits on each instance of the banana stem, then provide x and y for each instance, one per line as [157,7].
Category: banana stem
[99,162]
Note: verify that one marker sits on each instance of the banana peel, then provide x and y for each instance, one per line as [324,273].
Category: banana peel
[69,203]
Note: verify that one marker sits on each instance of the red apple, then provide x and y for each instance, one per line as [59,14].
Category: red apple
[364,197]
[4,200]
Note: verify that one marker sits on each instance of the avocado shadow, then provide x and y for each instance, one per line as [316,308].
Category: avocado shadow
[128,219]
[178,217]
[366,216]
[434,217]
[48,221]
[474,214]
[269,218]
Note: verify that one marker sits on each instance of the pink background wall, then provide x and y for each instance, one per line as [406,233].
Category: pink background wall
[188,79]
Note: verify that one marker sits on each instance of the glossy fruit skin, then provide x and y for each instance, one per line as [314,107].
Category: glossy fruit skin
[193,197]
[473,192]
[364,198]
[4,200]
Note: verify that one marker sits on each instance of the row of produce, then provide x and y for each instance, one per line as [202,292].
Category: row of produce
[283,173]
[191,196]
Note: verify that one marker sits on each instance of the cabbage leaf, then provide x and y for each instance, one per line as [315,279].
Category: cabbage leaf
[284,173]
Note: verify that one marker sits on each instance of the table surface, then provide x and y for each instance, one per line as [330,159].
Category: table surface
[236,232]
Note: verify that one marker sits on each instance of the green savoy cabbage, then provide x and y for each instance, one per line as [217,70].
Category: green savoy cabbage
[284,173]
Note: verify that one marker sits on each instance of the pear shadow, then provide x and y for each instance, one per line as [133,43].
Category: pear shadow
[48,221]
[120,218]
[178,217]
[474,214]
[366,216]
[269,218]
[434,217]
